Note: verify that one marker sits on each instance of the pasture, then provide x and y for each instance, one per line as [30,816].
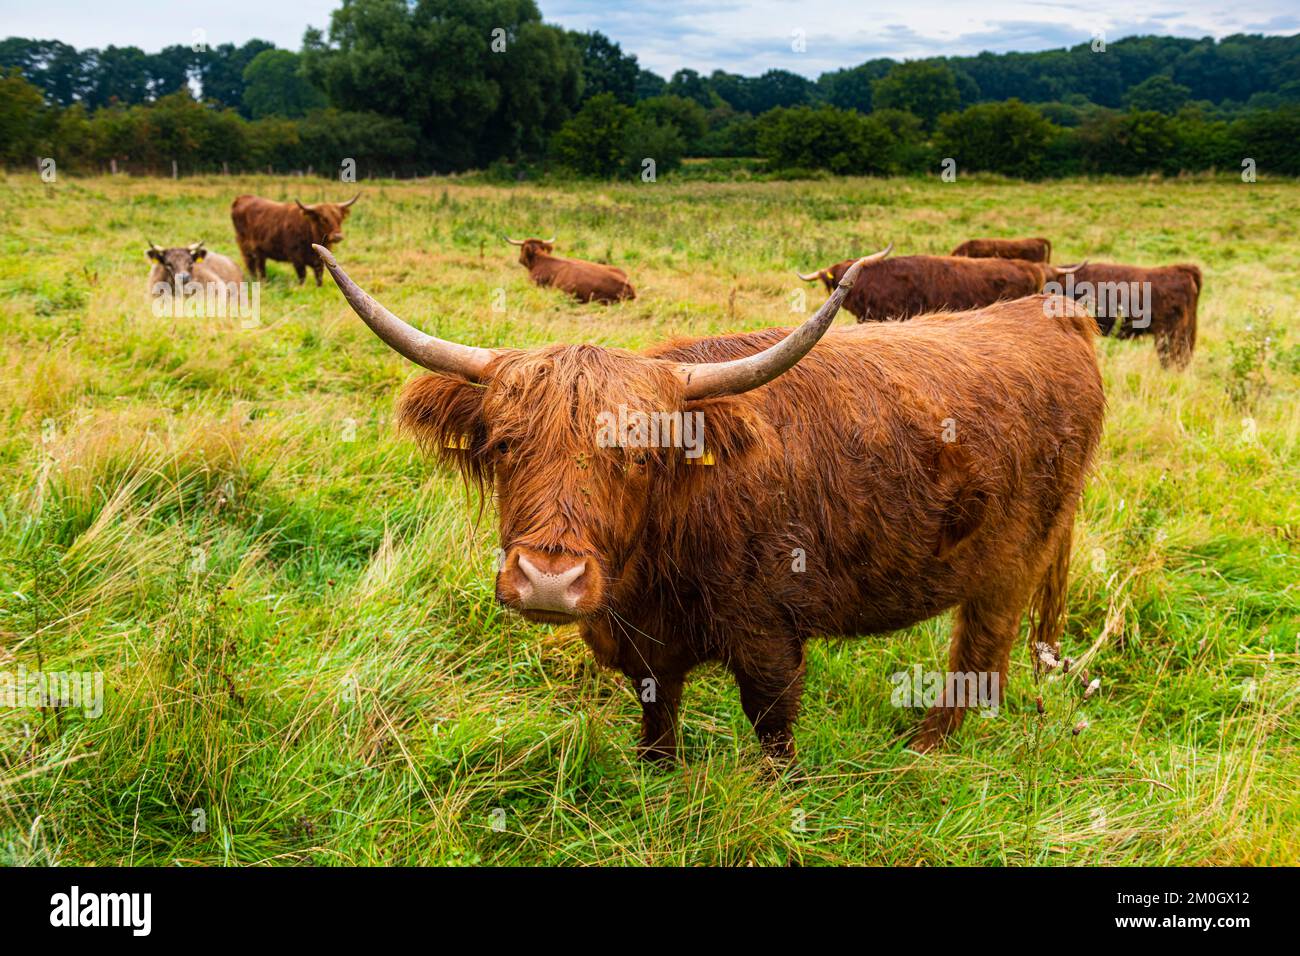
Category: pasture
[293,610]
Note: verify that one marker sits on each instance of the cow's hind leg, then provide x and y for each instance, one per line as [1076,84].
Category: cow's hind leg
[771,686]
[984,633]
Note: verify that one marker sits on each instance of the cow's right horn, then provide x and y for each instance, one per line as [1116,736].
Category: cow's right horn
[715,379]
[809,277]
[513,242]
[435,354]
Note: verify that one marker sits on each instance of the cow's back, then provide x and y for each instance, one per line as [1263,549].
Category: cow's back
[274,229]
[915,285]
[859,452]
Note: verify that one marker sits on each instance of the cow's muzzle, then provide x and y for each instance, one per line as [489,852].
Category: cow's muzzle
[547,586]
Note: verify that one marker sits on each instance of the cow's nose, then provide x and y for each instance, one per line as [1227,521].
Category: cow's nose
[543,581]
[183,278]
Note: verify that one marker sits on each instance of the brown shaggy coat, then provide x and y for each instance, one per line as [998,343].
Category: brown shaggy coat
[1031,250]
[905,286]
[285,231]
[1174,294]
[585,281]
[896,472]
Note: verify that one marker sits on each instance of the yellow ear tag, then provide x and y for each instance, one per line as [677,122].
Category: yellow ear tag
[705,459]
[461,443]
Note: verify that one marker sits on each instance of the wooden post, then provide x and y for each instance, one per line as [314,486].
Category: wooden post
[112,165]
[175,174]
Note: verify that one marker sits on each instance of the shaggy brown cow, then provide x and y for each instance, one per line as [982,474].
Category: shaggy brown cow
[858,487]
[184,266]
[914,285]
[286,232]
[1031,250]
[1168,294]
[585,281]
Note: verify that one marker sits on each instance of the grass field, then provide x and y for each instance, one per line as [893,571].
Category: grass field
[293,612]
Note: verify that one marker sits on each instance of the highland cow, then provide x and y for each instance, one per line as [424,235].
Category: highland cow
[906,286]
[1031,250]
[863,479]
[181,269]
[585,281]
[1169,296]
[286,232]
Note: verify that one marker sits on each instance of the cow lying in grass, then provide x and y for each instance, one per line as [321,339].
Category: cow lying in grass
[585,281]
[183,270]
[864,479]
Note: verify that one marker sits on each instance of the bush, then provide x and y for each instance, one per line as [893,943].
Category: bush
[842,141]
[1009,138]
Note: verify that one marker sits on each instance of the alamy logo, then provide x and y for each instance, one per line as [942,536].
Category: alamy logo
[1109,300]
[922,688]
[637,429]
[39,689]
[75,908]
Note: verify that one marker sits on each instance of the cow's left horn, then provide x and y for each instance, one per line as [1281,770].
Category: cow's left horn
[345,205]
[714,379]
[435,354]
[809,277]
[1066,270]
[513,242]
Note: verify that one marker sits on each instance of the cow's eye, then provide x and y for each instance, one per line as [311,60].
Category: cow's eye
[638,458]
[502,447]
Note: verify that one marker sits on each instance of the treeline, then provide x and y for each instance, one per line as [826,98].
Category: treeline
[448,85]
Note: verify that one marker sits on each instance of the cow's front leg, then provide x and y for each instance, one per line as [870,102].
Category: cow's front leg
[660,695]
[301,269]
[771,685]
[319,269]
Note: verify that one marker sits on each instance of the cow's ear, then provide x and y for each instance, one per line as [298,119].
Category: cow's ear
[445,415]
[200,254]
[731,430]
[154,254]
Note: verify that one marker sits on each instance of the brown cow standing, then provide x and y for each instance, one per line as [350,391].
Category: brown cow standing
[286,231]
[585,281]
[905,286]
[886,475]
[1170,293]
[1031,250]
[181,268]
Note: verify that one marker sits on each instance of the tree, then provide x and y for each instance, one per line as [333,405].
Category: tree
[275,86]
[118,73]
[851,89]
[221,70]
[594,141]
[692,86]
[480,79]
[22,118]
[1159,93]
[606,68]
[169,70]
[1009,138]
[924,88]
[685,116]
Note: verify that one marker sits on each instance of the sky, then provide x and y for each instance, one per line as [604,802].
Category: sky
[740,36]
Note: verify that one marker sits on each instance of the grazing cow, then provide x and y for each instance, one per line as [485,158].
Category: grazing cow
[886,475]
[905,286]
[1169,295]
[286,232]
[1031,250]
[585,281]
[183,268]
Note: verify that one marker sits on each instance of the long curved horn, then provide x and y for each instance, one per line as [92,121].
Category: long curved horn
[513,242]
[435,354]
[810,276]
[1066,270]
[345,205]
[300,205]
[714,379]
[549,241]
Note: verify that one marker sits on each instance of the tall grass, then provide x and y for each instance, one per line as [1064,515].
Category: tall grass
[293,610]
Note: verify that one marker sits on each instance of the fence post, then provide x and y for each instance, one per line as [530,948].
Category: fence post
[174,170]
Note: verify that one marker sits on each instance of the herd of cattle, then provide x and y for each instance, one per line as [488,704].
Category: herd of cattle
[862,478]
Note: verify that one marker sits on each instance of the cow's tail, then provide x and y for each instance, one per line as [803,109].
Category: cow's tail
[1193,271]
[1047,245]
[1047,606]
